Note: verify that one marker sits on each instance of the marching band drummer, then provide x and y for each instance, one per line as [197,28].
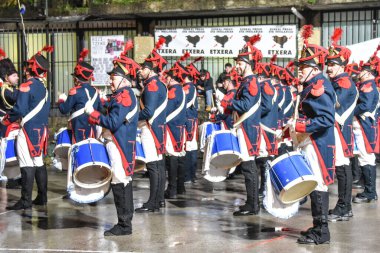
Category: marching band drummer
[191,145]
[364,125]
[315,134]
[81,93]
[32,107]
[346,95]
[246,104]
[176,129]
[152,116]
[8,94]
[120,123]
[268,121]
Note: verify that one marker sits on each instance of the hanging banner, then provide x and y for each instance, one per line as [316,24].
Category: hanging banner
[103,50]
[228,41]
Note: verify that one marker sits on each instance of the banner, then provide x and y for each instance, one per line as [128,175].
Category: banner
[228,41]
[363,51]
[103,50]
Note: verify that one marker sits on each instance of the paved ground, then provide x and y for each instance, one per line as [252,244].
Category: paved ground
[200,221]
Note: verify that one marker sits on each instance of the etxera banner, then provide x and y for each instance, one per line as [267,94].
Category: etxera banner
[228,41]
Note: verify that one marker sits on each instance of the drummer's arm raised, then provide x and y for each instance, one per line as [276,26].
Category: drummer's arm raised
[323,109]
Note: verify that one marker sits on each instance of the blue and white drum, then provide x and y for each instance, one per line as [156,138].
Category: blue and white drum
[140,155]
[292,177]
[206,129]
[90,164]
[225,150]
[9,166]
[63,142]
[10,152]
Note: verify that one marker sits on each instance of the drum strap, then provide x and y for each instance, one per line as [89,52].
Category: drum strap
[178,110]
[249,113]
[275,96]
[342,118]
[131,114]
[159,110]
[267,129]
[35,111]
[191,102]
[81,111]
[288,107]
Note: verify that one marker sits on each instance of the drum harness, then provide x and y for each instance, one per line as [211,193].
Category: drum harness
[81,111]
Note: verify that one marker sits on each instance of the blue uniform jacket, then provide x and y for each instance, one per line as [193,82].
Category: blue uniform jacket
[317,103]
[246,97]
[123,132]
[192,111]
[31,93]
[288,102]
[345,90]
[227,116]
[10,95]
[176,126]
[367,102]
[269,115]
[281,107]
[76,100]
[154,95]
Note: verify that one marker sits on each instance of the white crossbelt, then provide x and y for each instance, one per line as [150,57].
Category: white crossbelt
[81,111]
[191,102]
[267,129]
[282,101]
[159,110]
[247,114]
[132,113]
[371,115]
[178,110]
[35,111]
[342,118]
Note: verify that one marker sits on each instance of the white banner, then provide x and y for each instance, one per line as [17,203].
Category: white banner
[228,41]
[103,50]
[363,51]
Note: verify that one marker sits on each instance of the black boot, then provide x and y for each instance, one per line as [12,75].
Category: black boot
[151,204]
[14,183]
[172,168]
[251,179]
[357,177]
[162,183]
[340,210]
[348,193]
[181,170]
[319,233]
[123,197]
[369,194]
[27,179]
[41,180]
[260,164]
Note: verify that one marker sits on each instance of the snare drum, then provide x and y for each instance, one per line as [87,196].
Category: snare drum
[206,129]
[225,150]
[140,155]
[292,177]
[63,142]
[11,169]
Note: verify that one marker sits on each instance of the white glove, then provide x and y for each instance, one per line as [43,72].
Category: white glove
[88,108]
[214,109]
[62,97]
[219,95]
[291,125]
[278,134]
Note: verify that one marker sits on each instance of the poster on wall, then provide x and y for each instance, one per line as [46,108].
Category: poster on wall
[228,41]
[103,50]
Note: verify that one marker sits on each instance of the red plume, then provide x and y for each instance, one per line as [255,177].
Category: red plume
[290,64]
[48,49]
[128,46]
[159,43]
[83,54]
[336,35]
[2,53]
[361,63]
[184,57]
[307,31]
[254,39]
[273,59]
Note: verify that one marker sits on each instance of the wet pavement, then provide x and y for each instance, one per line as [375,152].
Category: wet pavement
[199,221]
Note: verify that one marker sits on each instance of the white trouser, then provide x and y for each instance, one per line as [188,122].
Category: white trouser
[364,157]
[340,159]
[192,144]
[23,155]
[307,148]
[118,173]
[148,144]
[3,148]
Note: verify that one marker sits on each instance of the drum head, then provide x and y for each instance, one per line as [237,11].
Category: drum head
[62,151]
[225,160]
[298,191]
[86,196]
[12,171]
[92,176]
[216,175]
[139,165]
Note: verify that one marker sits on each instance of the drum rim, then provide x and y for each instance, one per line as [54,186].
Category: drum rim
[61,130]
[95,185]
[101,194]
[282,157]
[309,178]
[63,145]
[11,159]
[238,154]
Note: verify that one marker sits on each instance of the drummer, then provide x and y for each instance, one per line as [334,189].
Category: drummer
[120,123]
[246,104]
[346,94]
[32,107]
[8,94]
[314,134]
[269,121]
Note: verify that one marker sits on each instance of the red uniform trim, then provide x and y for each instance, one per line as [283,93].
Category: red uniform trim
[177,148]
[301,126]
[366,141]
[326,177]
[126,164]
[346,151]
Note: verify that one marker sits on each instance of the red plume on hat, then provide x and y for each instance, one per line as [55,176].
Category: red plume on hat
[307,32]
[337,35]
[128,46]
[2,54]
[178,70]
[129,66]
[83,54]
[159,43]
[192,69]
